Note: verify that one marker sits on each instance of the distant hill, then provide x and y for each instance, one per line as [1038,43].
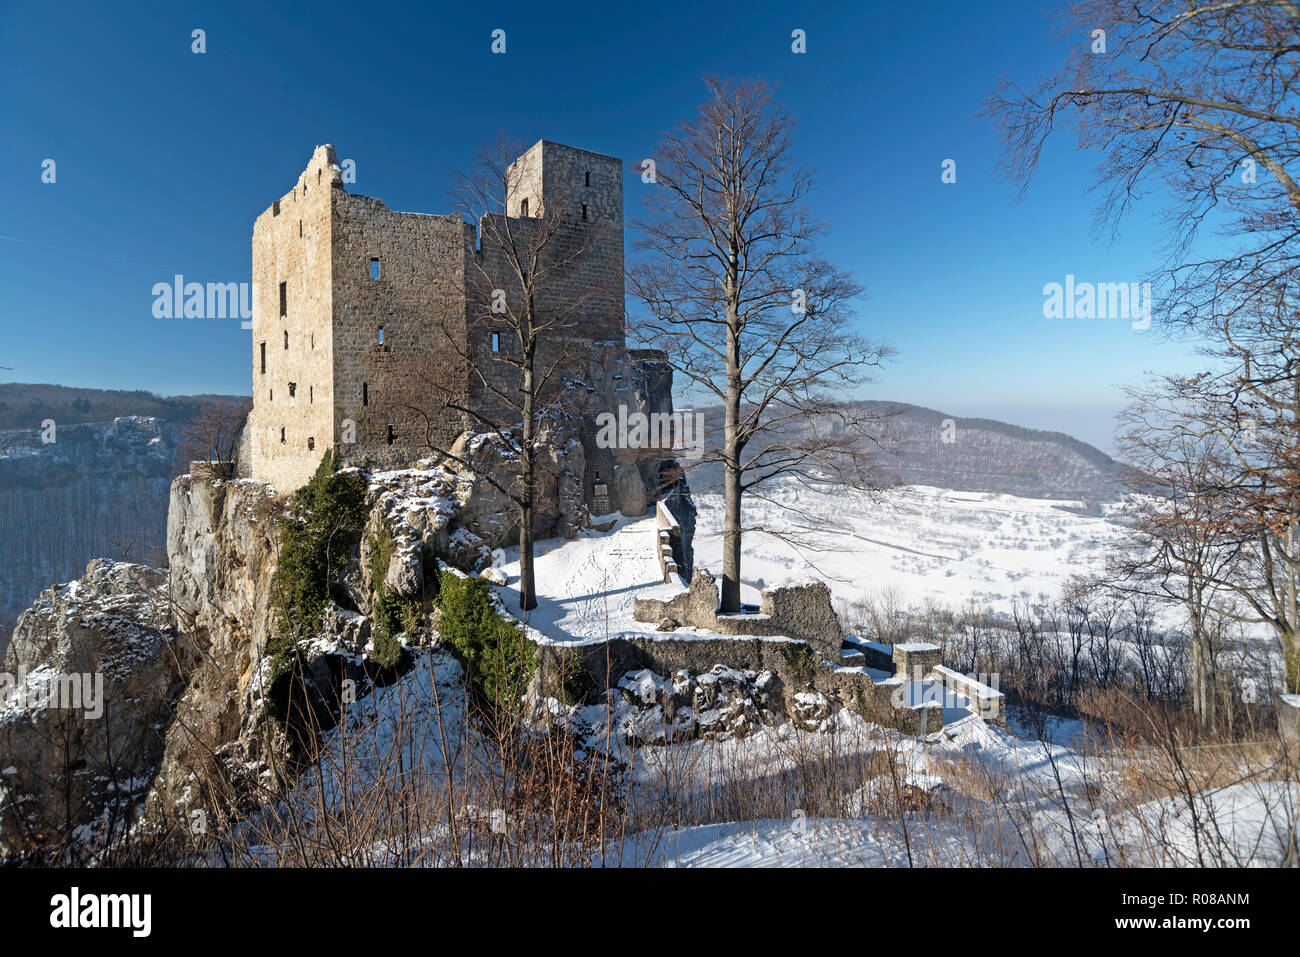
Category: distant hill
[25,405]
[985,455]
[981,455]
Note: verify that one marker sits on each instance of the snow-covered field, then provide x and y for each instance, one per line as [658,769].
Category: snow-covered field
[920,542]
[585,586]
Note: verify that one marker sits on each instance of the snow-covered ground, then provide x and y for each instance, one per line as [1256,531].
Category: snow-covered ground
[994,798]
[585,586]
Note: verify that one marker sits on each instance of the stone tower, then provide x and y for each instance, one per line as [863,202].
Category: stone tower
[359,310]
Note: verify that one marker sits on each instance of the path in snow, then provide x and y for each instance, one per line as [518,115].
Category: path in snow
[585,586]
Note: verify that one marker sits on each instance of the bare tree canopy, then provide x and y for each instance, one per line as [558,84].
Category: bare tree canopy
[738,299]
[1200,98]
[1221,452]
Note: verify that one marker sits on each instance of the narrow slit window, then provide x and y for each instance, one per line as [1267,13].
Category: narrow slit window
[271,393]
[282,434]
[263,347]
[523,207]
[311,394]
[584,210]
[275,208]
[381,335]
[286,338]
[365,393]
[284,299]
[311,443]
[390,435]
[496,342]
[300,229]
[588,182]
[374,268]
[293,389]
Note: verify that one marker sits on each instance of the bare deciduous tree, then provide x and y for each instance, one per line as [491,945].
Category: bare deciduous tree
[1222,452]
[745,310]
[213,434]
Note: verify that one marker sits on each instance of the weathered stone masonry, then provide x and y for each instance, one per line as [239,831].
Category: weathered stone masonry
[361,314]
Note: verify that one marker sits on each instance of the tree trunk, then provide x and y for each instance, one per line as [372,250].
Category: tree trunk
[1290,638]
[527,584]
[731,542]
[527,587]
[731,468]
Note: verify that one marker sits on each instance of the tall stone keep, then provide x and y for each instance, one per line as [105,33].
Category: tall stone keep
[361,315]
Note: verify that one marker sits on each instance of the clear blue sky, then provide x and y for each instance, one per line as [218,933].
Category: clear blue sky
[164,158]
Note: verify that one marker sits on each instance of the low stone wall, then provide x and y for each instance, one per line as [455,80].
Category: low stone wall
[916,659]
[802,611]
[797,636]
[668,541]
[990,704]
[870,654]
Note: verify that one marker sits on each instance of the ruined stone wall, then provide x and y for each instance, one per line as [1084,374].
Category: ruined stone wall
[390,386]
[352,267]
[801,611]
[293,403]
[795,663]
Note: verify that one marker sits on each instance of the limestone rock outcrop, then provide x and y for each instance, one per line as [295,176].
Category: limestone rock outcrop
[89,679]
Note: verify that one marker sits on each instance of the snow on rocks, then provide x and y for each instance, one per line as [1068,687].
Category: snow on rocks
[719,704]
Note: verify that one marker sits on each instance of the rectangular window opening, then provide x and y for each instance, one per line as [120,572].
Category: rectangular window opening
[374,268]
[523,207]
[275,208]
[282,434]
[284,299]
[365,393]
[311,394]
[584,210]
[496,342]
[381,335]
[286,338]
[262,344]
[293,389]
[588,183]
[311,443]
[390,435]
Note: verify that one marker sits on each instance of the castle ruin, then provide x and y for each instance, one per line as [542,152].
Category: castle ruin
[360,311]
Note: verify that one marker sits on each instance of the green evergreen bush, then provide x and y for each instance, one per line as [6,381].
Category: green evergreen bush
[498,657]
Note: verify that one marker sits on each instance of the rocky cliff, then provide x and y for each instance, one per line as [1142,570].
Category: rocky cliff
[186,657]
